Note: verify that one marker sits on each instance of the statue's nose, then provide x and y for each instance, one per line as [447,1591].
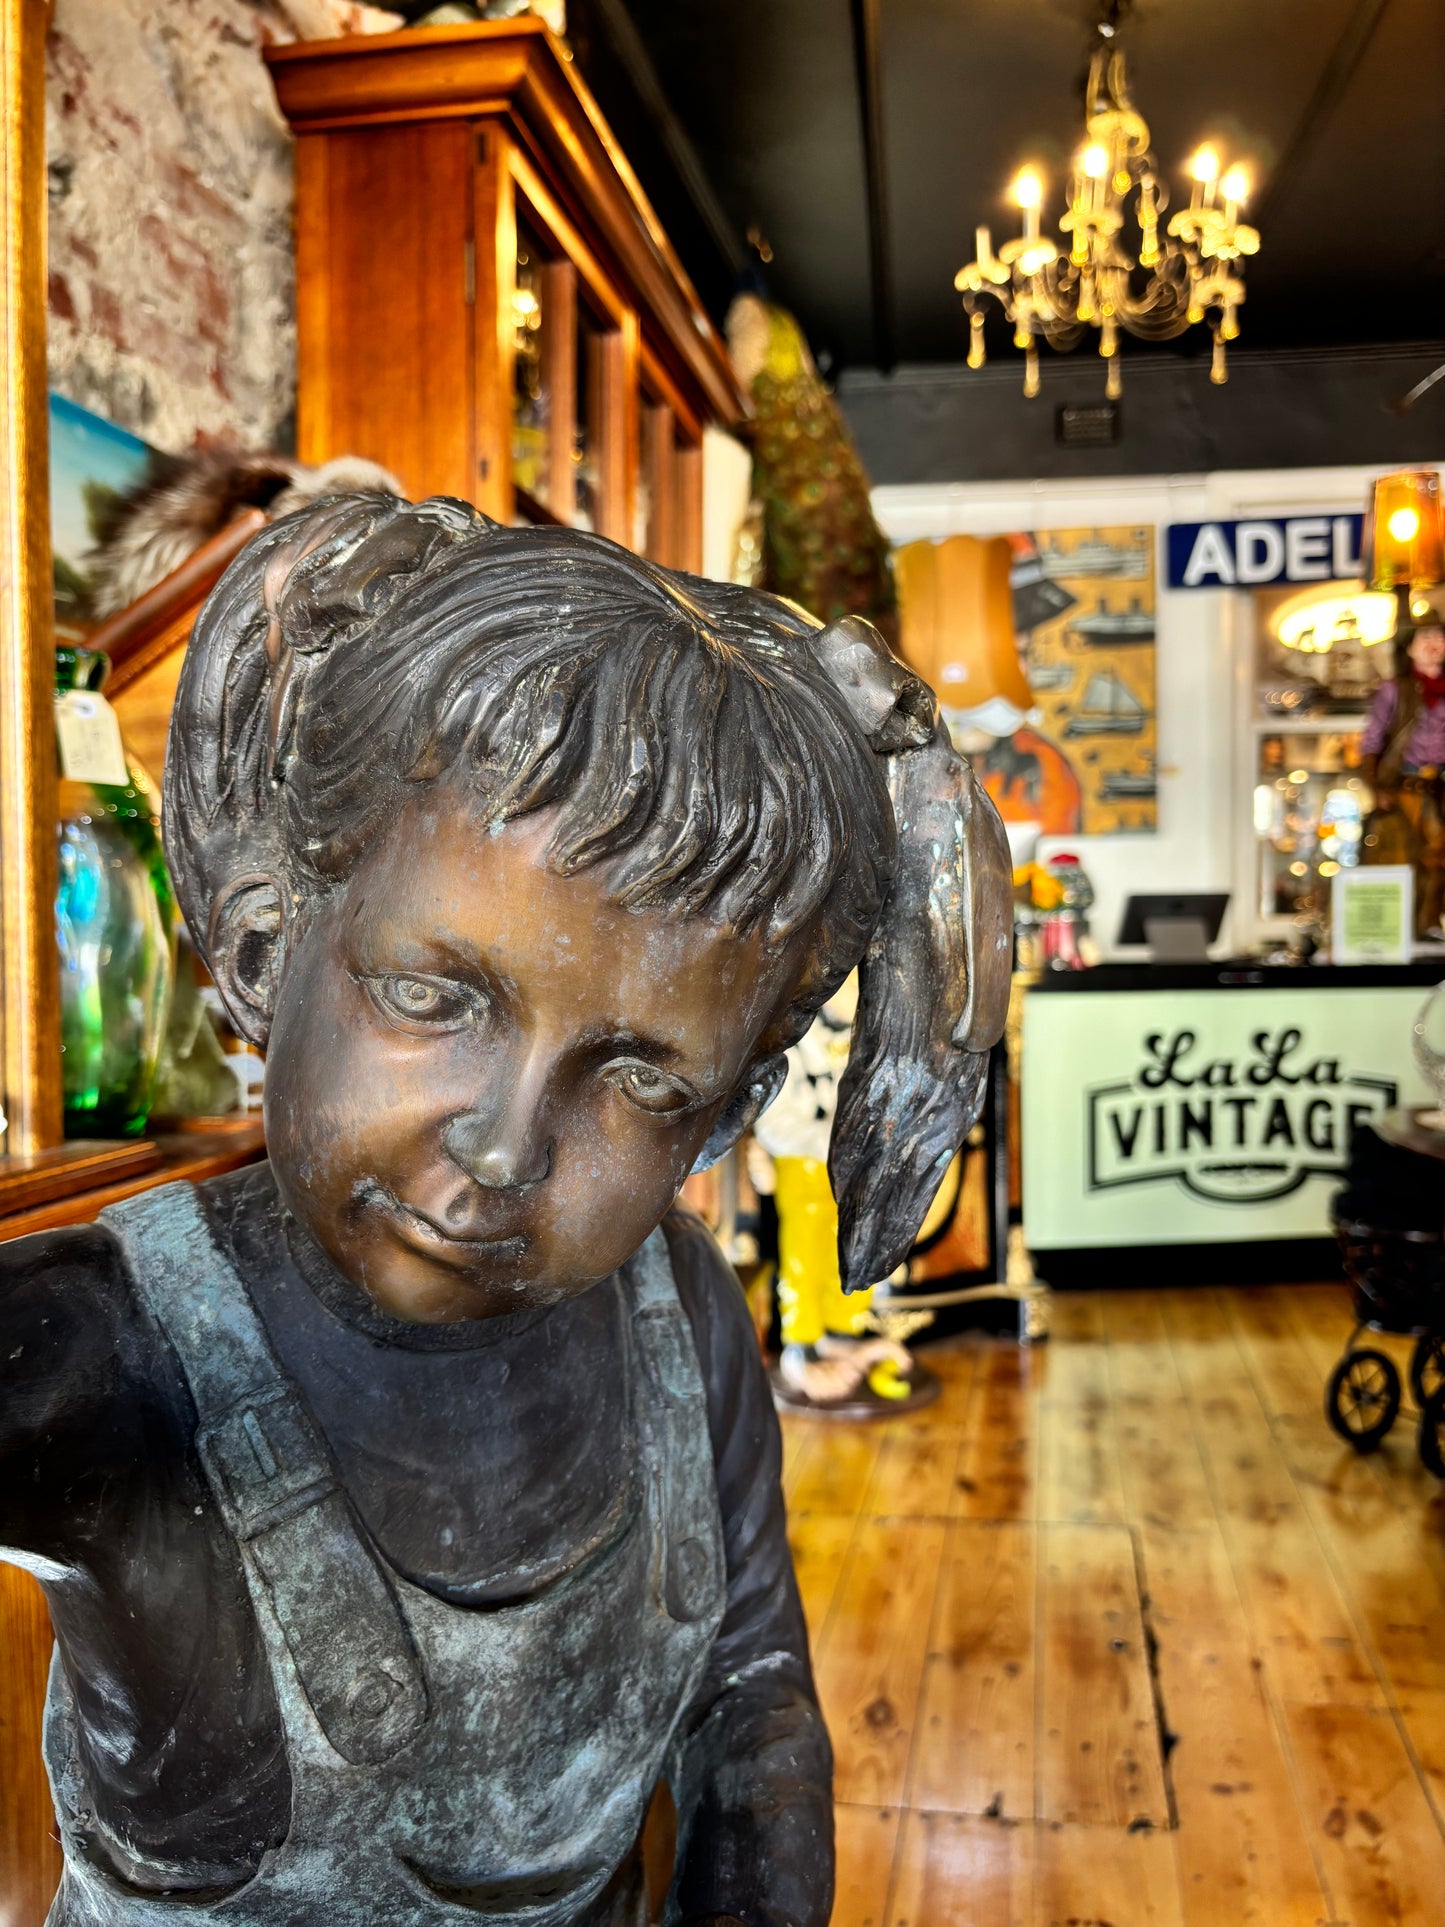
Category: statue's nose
[500,1153]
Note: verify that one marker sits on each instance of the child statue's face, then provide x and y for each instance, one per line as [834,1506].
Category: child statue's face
[486,1082]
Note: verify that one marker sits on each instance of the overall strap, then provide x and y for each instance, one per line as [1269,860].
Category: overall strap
[691,1575]
[272,1476]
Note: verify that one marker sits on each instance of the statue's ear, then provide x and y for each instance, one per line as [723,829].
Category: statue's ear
[245,953]
[894,708]
[743,1109]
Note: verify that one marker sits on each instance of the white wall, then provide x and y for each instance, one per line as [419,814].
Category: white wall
[1203,770]
[727,486]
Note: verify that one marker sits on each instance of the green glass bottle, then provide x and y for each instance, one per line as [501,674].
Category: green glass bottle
[116,920]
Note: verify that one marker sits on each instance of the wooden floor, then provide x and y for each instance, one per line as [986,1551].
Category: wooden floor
[1117,1633]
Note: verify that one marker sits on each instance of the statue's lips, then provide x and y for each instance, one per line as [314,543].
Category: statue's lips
[418,1230]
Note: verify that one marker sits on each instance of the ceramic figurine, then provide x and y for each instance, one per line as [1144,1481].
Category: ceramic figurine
[1402,758]
[408,1506]
[834,1358]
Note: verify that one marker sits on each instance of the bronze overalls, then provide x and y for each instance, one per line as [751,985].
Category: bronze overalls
[447,1764]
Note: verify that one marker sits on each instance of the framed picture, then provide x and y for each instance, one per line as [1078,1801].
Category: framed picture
[93,467]
[1372,914]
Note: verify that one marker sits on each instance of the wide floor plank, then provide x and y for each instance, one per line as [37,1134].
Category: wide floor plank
[867,1839]
[996,1476]
[962,1872]
[1308,1638]
[975,1746]
[1088,1874]
[1098,1740]
[870,1658]
[914,1473]
[1244,1856]
[1377,1836]
[834,1473]
[1283,1373]
[1389,1564]
[819,1543]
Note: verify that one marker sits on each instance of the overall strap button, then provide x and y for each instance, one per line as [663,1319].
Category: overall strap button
[372,1694]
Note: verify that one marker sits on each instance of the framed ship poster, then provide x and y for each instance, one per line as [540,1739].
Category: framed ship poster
[1041,649]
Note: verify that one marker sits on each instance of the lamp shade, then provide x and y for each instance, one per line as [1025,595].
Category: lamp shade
[957,620]
[1404,543]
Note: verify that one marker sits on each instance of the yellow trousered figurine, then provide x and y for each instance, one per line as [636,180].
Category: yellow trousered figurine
[832,1355]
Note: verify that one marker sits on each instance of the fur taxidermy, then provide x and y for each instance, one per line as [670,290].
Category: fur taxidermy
[186,499]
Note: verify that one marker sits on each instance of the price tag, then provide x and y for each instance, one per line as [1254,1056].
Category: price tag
[90,745]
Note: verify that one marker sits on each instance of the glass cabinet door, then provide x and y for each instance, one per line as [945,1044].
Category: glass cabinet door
[572,377]
[531,370]
[1306,711]
[1309,807]
[545,378]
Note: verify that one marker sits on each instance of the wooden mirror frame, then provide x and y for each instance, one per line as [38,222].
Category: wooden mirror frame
[30,1085]
[30,1016]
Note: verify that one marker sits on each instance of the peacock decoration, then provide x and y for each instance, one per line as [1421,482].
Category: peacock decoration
[819,544]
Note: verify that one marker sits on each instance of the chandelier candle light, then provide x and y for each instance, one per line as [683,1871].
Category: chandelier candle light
[1192,274]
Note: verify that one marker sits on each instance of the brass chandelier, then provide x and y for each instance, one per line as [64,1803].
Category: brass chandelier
[1191,273]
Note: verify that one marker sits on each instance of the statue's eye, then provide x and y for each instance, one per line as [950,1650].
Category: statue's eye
[423,1000]
[648,1088]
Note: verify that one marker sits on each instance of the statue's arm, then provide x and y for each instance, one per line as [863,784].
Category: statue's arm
[60,1295]
[753,1770]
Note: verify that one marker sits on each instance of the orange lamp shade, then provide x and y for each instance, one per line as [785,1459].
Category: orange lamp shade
[1404,543]
[957,626]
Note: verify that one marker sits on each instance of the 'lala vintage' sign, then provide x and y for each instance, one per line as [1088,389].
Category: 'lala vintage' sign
[1249,554]
[1220,1114]
[1236,1129]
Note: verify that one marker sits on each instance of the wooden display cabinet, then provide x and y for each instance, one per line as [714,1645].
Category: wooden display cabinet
[486,302]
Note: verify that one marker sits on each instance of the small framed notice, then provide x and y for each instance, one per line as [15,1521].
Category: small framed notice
[1372,914]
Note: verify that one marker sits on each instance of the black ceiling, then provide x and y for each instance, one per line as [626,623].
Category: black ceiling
[741,113]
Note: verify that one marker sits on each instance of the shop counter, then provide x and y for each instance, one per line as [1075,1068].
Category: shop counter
[1193,1120]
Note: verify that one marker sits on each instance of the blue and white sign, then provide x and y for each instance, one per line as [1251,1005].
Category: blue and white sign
[1249,555]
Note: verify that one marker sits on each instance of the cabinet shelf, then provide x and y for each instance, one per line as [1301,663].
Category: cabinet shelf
[223,1145]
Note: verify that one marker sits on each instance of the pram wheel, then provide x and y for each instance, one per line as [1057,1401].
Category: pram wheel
[1427,1367]
[1432,1434]
[1362,1400]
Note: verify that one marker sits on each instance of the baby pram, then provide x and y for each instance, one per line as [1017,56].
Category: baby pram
[1388,1219]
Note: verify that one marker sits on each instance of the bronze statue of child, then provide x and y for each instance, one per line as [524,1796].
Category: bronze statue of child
[409,1506]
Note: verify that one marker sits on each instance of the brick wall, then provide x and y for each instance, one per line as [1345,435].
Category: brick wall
[171,302]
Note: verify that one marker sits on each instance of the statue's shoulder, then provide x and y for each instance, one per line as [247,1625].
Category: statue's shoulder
[73,1334]
[77,1267]
[247,1219]
[73,1292]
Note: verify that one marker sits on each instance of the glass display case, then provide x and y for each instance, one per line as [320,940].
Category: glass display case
[531,399]
[1304,709]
